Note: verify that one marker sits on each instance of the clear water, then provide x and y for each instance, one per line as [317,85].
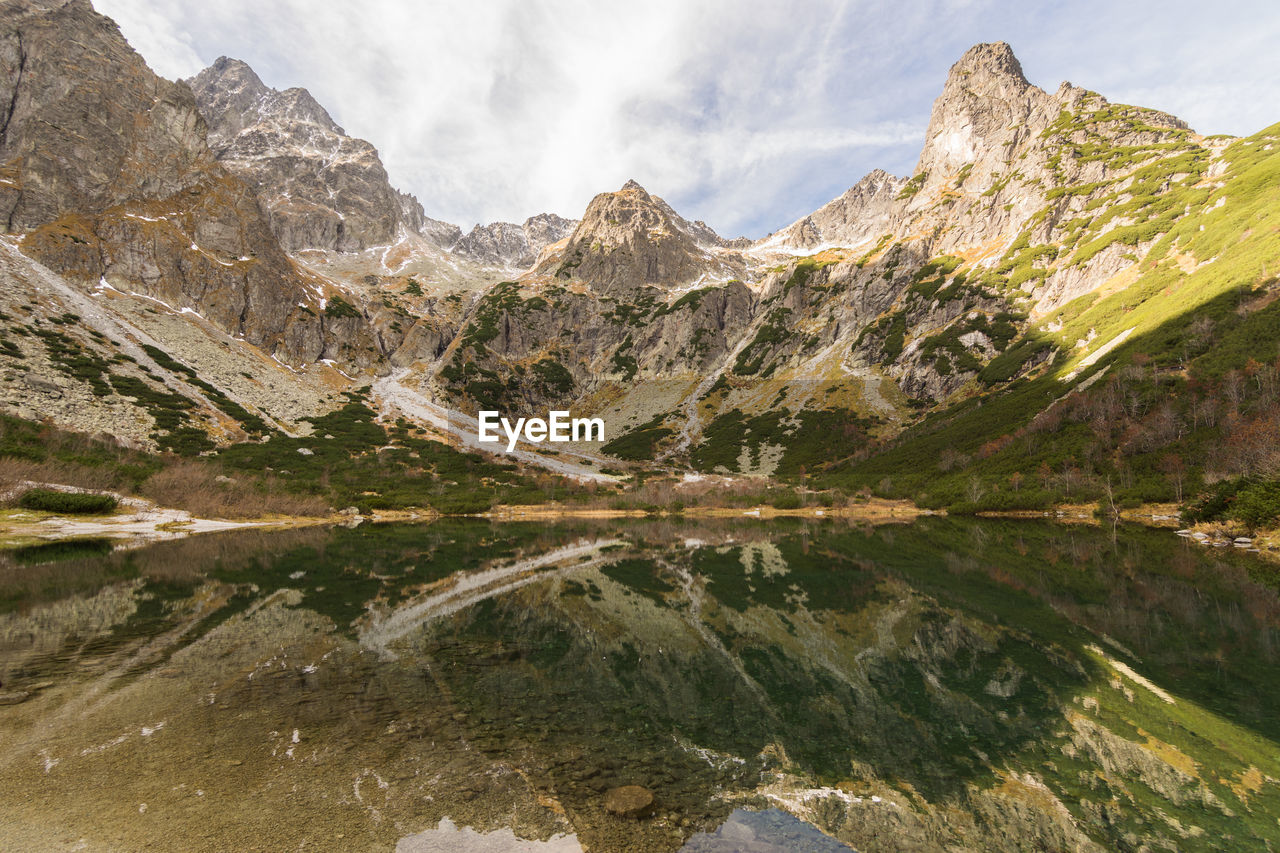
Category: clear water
[790,686]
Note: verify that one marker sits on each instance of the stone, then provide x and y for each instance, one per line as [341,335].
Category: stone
[630,801]
[42,386]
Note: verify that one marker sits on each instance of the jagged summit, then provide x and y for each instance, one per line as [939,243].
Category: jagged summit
[986,63]
[630,238]
[506,244]
[234,96]
[321,188]
[864,212]
[985,99]
[995,146]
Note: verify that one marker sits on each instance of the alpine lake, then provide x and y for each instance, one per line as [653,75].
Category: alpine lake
[645,685]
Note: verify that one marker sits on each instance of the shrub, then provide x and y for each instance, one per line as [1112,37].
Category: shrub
[1257,505]
[338,307]
[462,504]
[1215,504]
[47,500]
[790,500]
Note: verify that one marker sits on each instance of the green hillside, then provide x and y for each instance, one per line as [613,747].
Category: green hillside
[1187,398]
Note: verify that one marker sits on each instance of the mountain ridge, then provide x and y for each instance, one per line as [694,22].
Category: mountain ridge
[1036,225]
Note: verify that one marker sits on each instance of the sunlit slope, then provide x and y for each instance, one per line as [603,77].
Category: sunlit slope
[1158,380]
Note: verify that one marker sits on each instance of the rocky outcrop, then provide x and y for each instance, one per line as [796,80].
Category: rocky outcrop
[630,239]
[865,212]
[321,188]
[505,244]
[107,174]
[84,125]
[985,103]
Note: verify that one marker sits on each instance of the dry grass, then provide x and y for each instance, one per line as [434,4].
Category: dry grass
[13,472]
[186,484]
[199,489]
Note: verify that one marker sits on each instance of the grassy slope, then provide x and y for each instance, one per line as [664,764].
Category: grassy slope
[1190,331]
[350,459]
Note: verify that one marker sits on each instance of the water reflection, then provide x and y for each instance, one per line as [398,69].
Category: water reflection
[974,684]
[768,831]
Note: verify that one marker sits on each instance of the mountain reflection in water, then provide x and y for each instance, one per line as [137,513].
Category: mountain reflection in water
[973,684]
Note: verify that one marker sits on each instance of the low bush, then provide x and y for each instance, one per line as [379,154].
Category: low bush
[1257,505]
[47,500]
[462,504]
[790,500]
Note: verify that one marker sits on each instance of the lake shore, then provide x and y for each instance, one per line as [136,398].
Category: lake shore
[138,522]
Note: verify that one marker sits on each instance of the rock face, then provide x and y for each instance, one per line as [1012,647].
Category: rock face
[505,244]
[584,341]
[866,211]
[630,239]
[321,188]
[83,125]
[984,103]
[107,174]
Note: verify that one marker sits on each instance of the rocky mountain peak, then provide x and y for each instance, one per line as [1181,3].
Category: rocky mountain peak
[985,100]
[233,96]
[506,244]
[630,238]
[864,212]
[321,188]
[992,65]
[618,218]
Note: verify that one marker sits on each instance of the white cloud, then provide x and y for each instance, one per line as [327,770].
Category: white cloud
[745,114]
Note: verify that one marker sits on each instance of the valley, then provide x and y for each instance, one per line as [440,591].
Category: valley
[943,517]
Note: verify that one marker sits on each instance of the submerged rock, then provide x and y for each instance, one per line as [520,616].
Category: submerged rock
[628,801]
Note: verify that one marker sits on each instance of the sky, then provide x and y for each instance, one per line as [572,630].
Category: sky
[747,114]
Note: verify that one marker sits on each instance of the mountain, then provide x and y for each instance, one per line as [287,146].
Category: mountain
[1054,258]
[150,295]
[865,211]
[321,188]
[1005,172]
[108,178]
[635,292]
[505,244]
[629,239]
